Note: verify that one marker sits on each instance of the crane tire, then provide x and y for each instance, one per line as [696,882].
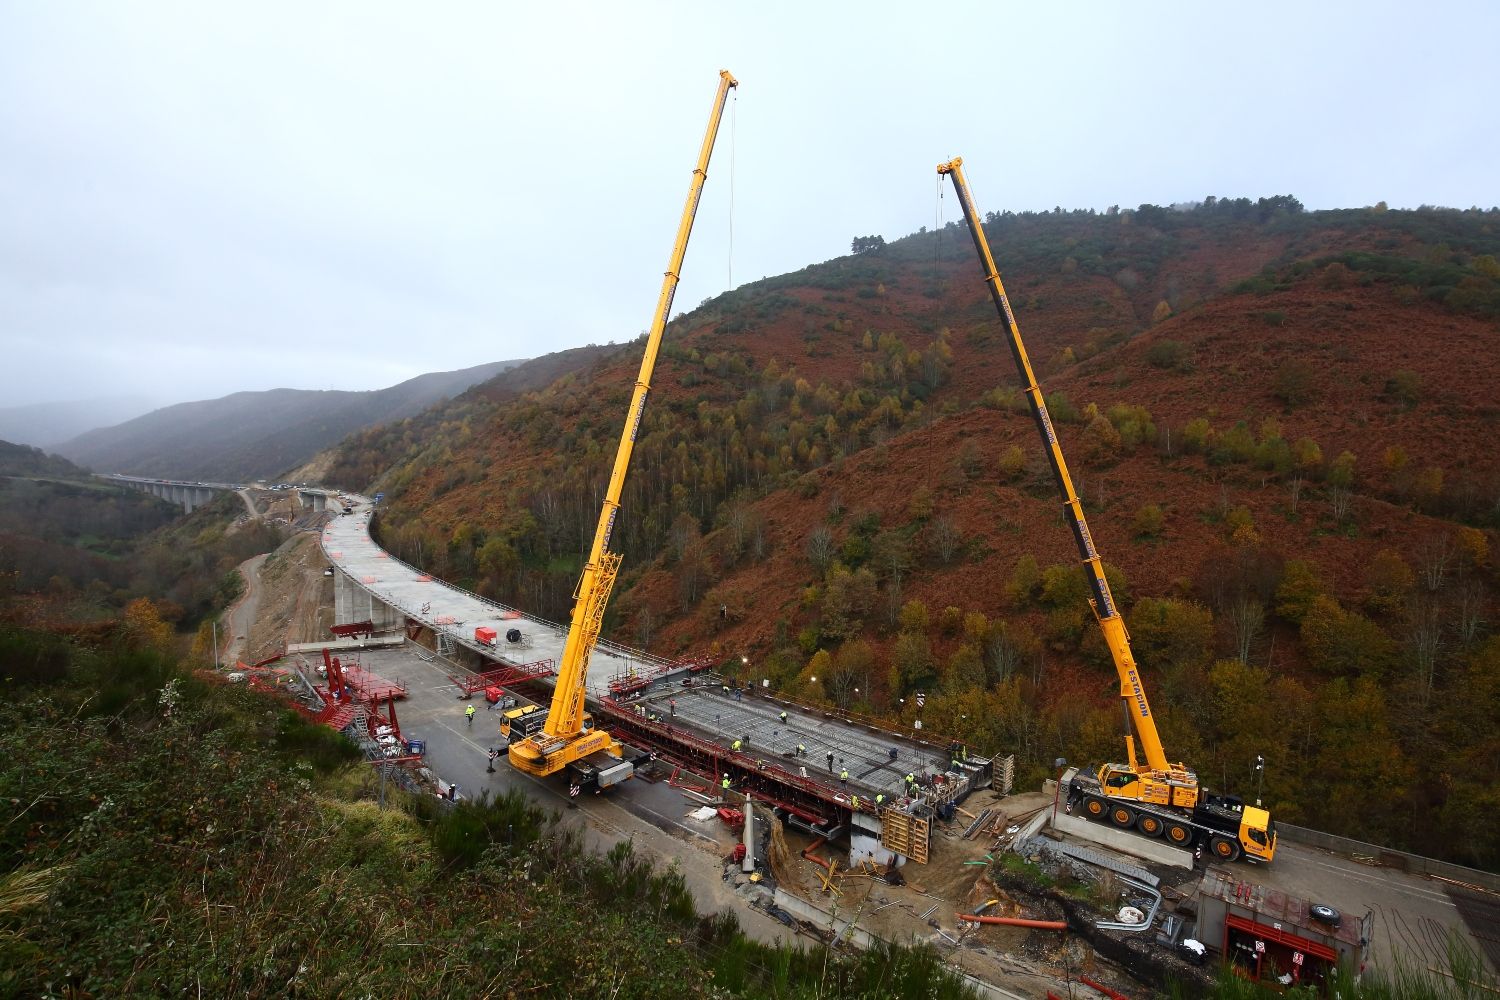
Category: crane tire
[1150,825]
[1179,834]
[1122,816]
[1222,848]
[1095,807]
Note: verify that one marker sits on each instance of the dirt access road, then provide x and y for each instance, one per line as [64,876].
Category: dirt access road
[242,612]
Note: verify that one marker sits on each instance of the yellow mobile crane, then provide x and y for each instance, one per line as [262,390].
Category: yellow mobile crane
[565,739]
[1157,798]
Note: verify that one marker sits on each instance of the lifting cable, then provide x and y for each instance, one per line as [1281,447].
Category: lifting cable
[734,118]
[937,240]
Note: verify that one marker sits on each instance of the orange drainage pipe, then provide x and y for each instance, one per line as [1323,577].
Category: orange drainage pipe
[1112,994]
[1043,925]
[810,856]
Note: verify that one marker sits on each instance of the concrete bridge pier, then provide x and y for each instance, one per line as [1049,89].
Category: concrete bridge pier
[353,603]
[315,500]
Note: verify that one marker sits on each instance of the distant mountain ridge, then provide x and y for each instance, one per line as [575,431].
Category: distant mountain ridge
[44,425]
[251,434]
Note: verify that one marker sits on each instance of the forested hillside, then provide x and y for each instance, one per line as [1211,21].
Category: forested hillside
[24,460]
[1278,421]
[75,553]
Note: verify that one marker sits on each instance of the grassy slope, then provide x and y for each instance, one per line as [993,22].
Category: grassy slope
[167,835]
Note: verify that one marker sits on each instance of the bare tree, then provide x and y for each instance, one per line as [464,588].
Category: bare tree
[894,598]
[1339,500]
[1004,657]
[1432,561]
[820,547]
[1470,610]
[645,627]
[1424,638]
[739,522]
[1247,617]
[1294,485]
[945,539]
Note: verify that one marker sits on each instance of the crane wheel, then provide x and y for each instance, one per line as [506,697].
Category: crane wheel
[1223,848]
[1095,807]
[1179,834]
[1150,825]
[1122,816]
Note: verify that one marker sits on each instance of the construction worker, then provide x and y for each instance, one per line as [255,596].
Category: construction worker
[911,784]
[736,745]
[725,783]
[726,690]
[879,800]
[672,705]
[830,762]
[854,802]
[801,750]
[469,713]
[783,716]
[844,776]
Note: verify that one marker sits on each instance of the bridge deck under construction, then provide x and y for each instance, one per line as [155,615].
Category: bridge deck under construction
[661,706]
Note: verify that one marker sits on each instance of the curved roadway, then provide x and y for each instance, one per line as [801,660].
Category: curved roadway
[454,612]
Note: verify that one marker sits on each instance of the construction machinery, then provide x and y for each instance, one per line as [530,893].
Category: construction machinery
[1155,798]
[565,740]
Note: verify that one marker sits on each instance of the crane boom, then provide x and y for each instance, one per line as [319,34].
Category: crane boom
[1102,601]
[563,739]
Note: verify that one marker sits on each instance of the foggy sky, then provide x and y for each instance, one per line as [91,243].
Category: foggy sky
[201,198]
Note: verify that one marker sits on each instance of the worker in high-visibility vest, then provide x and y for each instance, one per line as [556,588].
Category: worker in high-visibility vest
[725,783]
[801,750]
[469,714]
[736,745]
[854,802]
[783,715]
[844,776]
[879,799]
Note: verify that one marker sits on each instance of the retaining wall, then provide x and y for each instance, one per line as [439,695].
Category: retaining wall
[1414,863]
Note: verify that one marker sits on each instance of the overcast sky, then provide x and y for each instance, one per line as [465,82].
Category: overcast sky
[201,198]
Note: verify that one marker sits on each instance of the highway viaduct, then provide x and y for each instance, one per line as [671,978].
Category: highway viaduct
[190,495]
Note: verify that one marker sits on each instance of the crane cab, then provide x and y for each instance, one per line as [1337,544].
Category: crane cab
[1257,833]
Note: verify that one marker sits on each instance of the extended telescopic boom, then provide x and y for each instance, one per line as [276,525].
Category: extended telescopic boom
[562,739]
[1101,599]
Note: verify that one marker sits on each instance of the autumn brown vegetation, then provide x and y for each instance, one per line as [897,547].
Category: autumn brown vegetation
[836,477]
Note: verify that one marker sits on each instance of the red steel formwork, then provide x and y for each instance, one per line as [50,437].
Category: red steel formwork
[349,631]
[624,684]
[765,780]
[503,676]
[348,679]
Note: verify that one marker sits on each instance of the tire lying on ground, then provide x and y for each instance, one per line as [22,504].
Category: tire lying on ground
[1324,914]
